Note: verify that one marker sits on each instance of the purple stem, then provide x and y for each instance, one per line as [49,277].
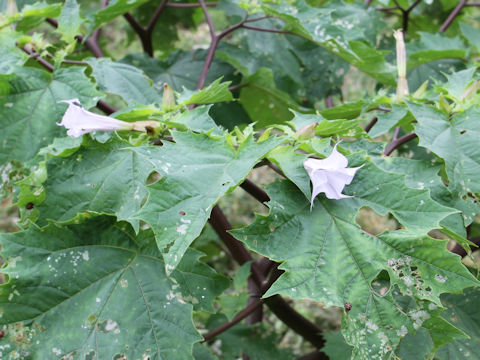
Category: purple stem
[250,308]
[398,142]
[453,15]
[459,250]
[276,303]
[146,33]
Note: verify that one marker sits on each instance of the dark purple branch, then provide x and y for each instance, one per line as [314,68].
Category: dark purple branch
[276,169]
[256,191]
[36,56]
[328,102]
[256,28]
[396,132]
[459,250]
[405,14]
[146,33]
[236,87]
[414,5]
[213,35]
[453,15]
[276,303]
[398,142]
[371,124]
[91,43]
[214,43]
[250,308]
[139,29]
[156,15]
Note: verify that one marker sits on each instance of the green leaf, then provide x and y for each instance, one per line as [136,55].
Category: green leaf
[100,178]
[387,193]
[202,352]
[432,47]
[433,70]
[197,170]
[263,102]
[423,175]
[338,29]
[102,286]
[455,141]
[180,69]
[215,92]
[415,346]
[328,127]
[302,68]
[329,259]
[33,15]
[199,283]
[232,304]
[336,347]
[291,164]
[457,83]
[345,111]
[111,179]
[245,339]
[70,21]
[462,311]
[471,34]
[29,108]
[12,57]
[384,192]
[387,120]
[125,80]
[197,120]
[112,10]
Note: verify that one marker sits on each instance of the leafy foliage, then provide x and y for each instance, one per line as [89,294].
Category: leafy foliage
[114,256]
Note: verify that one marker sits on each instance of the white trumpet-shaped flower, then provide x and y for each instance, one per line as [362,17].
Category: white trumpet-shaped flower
[330,175]
[79,121]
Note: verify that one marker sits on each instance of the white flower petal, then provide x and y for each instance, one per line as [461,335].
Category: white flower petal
[79,121]
[330,175]
[334,161]
[319,181]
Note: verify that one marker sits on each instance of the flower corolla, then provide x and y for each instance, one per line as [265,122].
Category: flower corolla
[79,121]
[330,175]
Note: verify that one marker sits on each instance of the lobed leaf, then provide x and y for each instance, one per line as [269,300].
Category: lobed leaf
[30,108]
[329,259]
[125,80]
[455,142]
[105,288]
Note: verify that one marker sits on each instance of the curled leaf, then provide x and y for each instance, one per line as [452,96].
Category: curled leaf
[330,175]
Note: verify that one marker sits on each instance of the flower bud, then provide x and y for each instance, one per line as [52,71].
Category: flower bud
[306,132]
[168,100]
[79,121]
[402,85]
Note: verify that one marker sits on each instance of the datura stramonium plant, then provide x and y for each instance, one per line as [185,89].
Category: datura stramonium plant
[79,121]
[330,175]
